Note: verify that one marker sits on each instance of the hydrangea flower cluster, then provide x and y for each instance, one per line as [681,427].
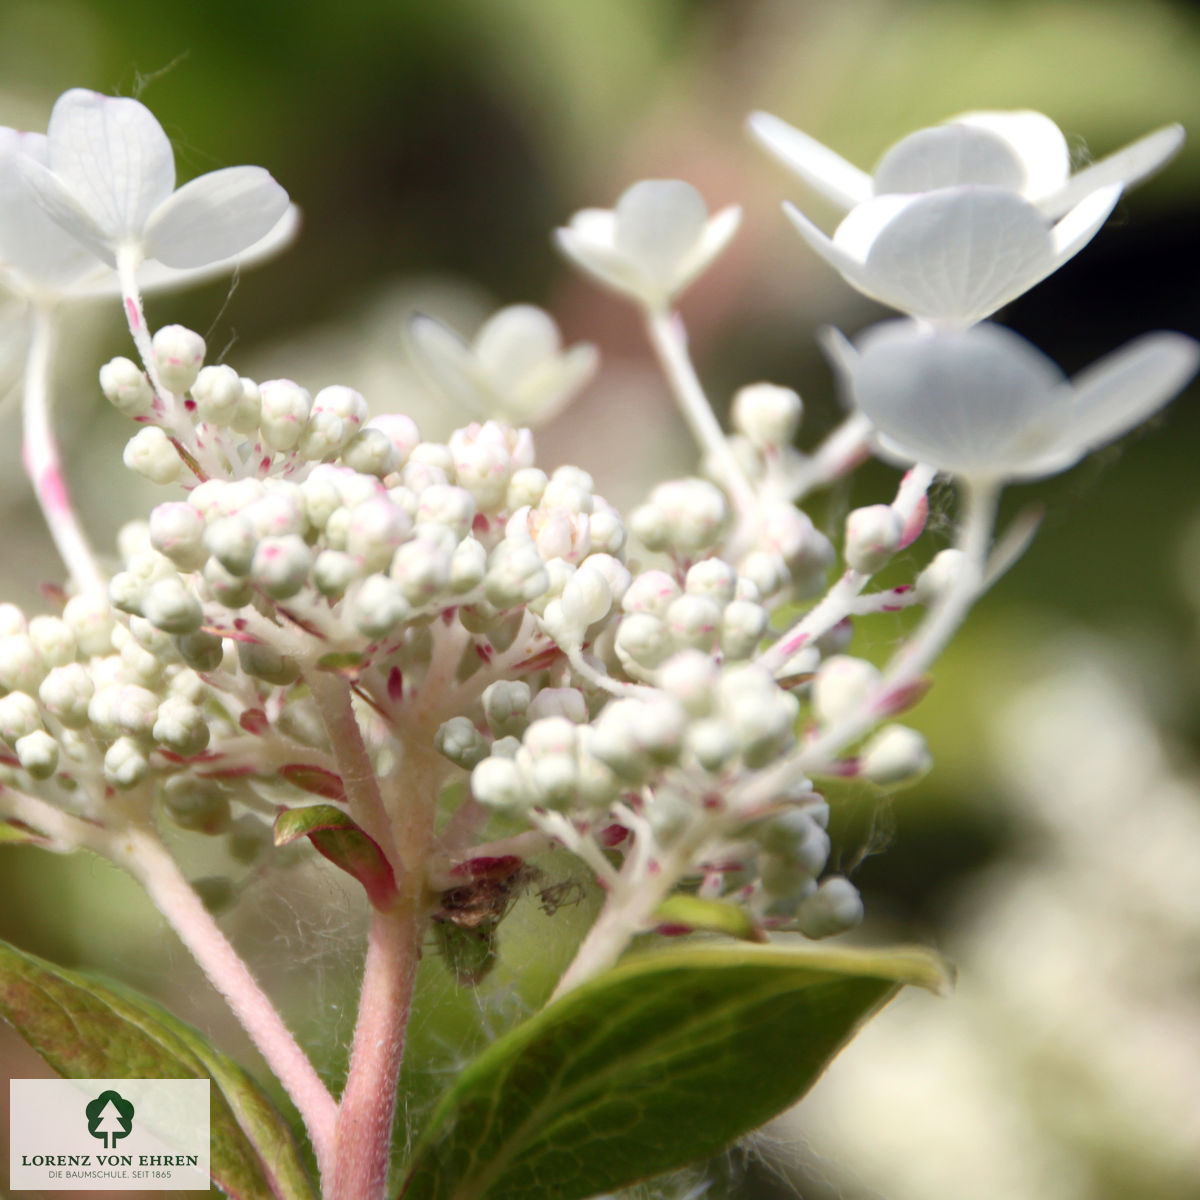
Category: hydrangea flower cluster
[334,618]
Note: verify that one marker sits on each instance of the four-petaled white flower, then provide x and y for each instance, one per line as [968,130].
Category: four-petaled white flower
[986,405]
[657,239]
[961,218]
[515,368]
[108,180]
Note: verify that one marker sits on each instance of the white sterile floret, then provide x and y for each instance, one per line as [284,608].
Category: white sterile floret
[110,184]
[218,393]
[12,620]
[985,404]
[843,684]
[833,908]
[177,530]
[895,755]
[169,604]
[38,754]
[873,534]
[150,453]
[460,742]
[959,219]
[284,410]
[126,388]
[179,355]
[767,415]
[66,693]
[515,367]
[656,241]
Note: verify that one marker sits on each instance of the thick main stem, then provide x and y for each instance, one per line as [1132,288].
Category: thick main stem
[43,464]
[147,859]
[363,1134]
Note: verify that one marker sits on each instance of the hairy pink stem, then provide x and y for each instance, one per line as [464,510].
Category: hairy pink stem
[147,859]
[43,464]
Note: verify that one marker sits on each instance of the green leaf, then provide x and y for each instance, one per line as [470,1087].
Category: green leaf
[86,1028]
[340,840]
[713,916]
[665,1059]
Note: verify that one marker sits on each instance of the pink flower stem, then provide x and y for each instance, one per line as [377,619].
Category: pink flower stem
[43,464]
[145,857]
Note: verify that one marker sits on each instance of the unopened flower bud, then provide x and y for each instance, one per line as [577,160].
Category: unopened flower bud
[38,754]
[468,565]
[181,727]
[379,606]
[712,742]
[90,619]
[563,702]
[373,532]
[177,530]
[334,571]
[281,565]
[125,764]
[940,575]
[265,662]
[693,621]
[66,693]
[229,589]
[126,388]
[497,783]
[217,392]
[371,451]
[842,687]
[150,453]
[169,604]
[21,667]
[179,355]
[895,755]
[283,411]
[743,624]
[525,488]
[504,705]
[643,641]
[200,650]
[196,804]
[19,716]
[515,575]
[833,908]
[872,536]
[460,742]
[586,598]
[767,415]
[232,542]
[53,639]
[651,592]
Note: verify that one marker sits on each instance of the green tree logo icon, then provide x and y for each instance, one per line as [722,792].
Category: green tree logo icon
[109,1117]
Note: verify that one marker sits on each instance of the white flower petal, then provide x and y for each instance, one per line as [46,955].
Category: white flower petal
[598,225]
[515,341]
[1083,222]
[717,234]
[850,268]
[1126,167]
[550,386]
[840,351]
[1036,141]
[1129,385]
[60,203]
[659,224]
[41,253]
[959,254]
[153,277]
[447,364]
[214,217]
[948,156]
[979,402]
[605,264]
[114,156]
[858,231]
[819,167]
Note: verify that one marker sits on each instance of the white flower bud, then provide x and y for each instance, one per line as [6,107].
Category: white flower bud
[66,693]
[453,507]
[126,388]
[460,742]
[372,452]
[765,570]
[605,531]
[872,536]
[693,621]
[525,488]
[378,606]
[283,412]
[334,571]
[321,497]
[201,651]
[497,783]
[554,778]
[227,588]
[181,727]
[278,513]
[123,708]
[281,565]
[232,542]
[177,530]
[401,431]
[373,532]
[551,735]
[642,641]
[468,565]
[565,702]
[711,577]
[696,512]
[767,415]
[150,453]
[196,804]
[743,624]
[586,598]
[245,420]
[179,355]
[651,592]
[142,666]
[515,575]
[650,526]
[217,392]
[19,716]
[421,569]
[21,667]
[38,754]
[337,415]
[12,620]
[53,639]
[169,604]
[895,755]
[90,619]
[712,742]
[125,764]
[842,686]
[940,575]
[691,677]
[504,705]
[833,908]
[669,814]
[265,662]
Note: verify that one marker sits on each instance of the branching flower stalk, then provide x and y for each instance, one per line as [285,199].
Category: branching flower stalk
[336,619]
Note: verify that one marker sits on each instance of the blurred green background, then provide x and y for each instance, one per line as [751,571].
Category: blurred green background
[432,147]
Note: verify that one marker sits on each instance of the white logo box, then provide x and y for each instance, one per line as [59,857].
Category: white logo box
[115,1135]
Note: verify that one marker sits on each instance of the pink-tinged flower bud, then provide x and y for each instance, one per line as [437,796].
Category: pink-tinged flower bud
[281,565]
[895,755]
[66,693]
[126,388]
[872,536]
[767,415]
[218,392]
[842,686]
[177,530]
[651,592]
[19,716]
[53,639]
[179,355]
[38,754]
[150,453]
